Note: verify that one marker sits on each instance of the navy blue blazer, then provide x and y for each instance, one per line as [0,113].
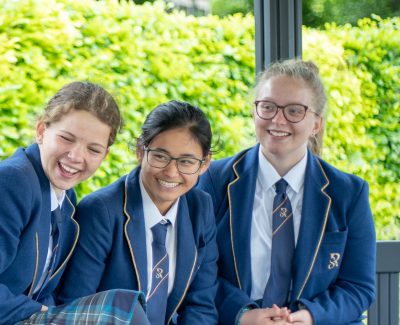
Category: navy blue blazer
[24,235]
[111,252]
[334,262]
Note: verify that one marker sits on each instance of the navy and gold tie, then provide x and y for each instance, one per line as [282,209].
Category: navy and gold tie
[55,235]
[157,299]
[278,285]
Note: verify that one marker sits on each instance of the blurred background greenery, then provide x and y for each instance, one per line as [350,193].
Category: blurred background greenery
[148,54]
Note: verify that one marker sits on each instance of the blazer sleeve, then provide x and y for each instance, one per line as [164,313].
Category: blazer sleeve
[86,267]
[199,303]
[15,213]
[229,298]
[354,290]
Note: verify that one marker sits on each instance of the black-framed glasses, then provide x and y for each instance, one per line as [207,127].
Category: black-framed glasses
[185,165]
[293,113]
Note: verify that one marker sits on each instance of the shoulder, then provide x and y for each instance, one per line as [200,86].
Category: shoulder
[17,172]
[108,195]
[340,178]
[224,169]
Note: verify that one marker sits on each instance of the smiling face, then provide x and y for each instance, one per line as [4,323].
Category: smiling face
[72,148]
[284,143]
[166,185]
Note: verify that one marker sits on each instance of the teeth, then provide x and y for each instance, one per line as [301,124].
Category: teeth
[167,184]
[278,133]
[69,169]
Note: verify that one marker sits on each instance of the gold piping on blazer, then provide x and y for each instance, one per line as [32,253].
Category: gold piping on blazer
[186,289]
[36,267]
[322,232]
[128,218]
[230,218]
[75,242]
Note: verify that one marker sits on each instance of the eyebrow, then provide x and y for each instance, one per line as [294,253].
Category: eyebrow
[187,155]
[91,143]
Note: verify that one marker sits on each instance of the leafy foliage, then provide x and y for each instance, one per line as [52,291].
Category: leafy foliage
[145,56]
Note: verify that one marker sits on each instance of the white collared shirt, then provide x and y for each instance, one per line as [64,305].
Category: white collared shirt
[152,216]
[261,226]
[55,202]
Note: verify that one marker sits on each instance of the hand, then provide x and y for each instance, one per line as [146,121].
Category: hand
[301,317]
[44,308]
[265,316]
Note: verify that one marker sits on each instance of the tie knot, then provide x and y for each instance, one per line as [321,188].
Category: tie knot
[280,186]
[159,231]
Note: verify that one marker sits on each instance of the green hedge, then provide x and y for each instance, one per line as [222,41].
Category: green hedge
[145,56]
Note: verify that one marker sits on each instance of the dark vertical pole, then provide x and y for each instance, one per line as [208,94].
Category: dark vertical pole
[278,30]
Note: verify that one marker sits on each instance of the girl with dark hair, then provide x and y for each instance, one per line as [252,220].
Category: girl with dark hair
[38,232]
[151,231]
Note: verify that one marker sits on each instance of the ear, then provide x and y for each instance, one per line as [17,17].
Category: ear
[40,128]
[205,165]
[139,154]
[318,125]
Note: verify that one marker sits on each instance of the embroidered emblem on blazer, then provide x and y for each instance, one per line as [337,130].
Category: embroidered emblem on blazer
[334,261]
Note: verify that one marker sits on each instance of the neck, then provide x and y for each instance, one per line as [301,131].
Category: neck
[284,163]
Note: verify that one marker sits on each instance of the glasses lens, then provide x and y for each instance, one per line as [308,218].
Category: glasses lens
[294,113]
[158,159]
[188,165]
[266,110]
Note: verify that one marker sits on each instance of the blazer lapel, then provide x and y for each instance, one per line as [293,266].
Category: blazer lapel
[134,228]
[43,229]
[69,234]
[185,260]
[314,216]
[241,196]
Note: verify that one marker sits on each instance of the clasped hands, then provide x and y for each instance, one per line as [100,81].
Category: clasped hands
[276,316]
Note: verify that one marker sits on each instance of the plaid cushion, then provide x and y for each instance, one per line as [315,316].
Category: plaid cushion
[104,308]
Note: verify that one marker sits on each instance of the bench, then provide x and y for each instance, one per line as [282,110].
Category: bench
[385,310]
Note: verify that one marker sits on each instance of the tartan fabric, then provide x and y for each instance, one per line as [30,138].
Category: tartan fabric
[112,307]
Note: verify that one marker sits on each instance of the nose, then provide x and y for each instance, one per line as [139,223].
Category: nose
[279,118]
[76,153]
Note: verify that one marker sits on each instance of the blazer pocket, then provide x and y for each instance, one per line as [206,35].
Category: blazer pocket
[331,251]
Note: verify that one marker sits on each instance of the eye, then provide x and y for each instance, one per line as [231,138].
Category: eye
[295,110]
[267,106]
[187,161]
[95,151]
[66,138]
[160,156]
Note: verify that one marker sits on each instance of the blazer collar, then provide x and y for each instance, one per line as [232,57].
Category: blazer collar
[186,258]
[134,228]
[314,216]
[241,197]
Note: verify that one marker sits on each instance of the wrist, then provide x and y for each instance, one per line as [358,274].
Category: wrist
[242,311]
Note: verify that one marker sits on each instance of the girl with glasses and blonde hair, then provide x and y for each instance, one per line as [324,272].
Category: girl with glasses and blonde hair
[294,233]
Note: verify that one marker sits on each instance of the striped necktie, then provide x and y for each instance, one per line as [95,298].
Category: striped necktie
[157,299]
[278,285]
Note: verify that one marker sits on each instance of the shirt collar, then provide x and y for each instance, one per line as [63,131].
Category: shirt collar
[268,176]
[56,201]
[151,212]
